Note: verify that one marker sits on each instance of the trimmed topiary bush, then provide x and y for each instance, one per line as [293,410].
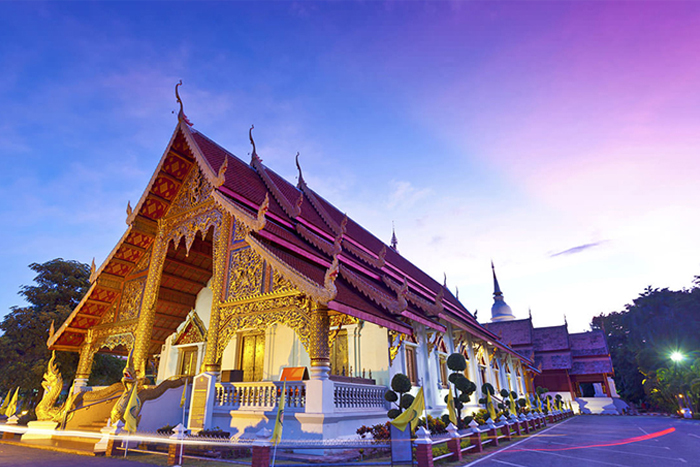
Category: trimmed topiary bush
[397,395]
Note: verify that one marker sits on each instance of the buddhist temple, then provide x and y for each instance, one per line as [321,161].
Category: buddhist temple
[574,365]
[231,283]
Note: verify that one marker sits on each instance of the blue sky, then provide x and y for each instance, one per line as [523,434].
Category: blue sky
[559,139]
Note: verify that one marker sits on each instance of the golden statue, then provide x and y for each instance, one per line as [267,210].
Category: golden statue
[52,384]
[129,381]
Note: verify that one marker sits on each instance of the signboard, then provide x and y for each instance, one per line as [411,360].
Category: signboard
[198,406]
[294,373]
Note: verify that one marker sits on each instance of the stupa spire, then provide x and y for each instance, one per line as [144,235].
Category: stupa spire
[500,311]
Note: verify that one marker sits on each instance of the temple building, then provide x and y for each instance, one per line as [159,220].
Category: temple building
[575,365]
[233,279]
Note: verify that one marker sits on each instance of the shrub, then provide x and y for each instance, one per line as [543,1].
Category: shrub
[400,385]
[166,430]
[379,432]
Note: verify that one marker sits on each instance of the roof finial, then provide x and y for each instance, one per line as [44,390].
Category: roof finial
[529,312]
[496,287]
[181,115]
[394,241]
[456,292]
[565,323]
[444,281]
[252,141]
[301,182]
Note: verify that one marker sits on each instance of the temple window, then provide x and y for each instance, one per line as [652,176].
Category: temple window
[482,369]
[496,371]
[188,361]
[339,354]
[252,353]
[443,370]
[411,367]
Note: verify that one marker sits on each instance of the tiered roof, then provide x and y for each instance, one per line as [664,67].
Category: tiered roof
[303,233]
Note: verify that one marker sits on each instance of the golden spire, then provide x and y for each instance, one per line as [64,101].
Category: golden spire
[129,209]
[181,115]
[254,155]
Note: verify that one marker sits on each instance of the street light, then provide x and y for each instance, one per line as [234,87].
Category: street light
[676,356]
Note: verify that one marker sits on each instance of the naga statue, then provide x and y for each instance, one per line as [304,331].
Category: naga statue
[52,384]
[130,382]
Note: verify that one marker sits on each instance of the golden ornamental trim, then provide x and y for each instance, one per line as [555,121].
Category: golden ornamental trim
[251,223]
[320,294]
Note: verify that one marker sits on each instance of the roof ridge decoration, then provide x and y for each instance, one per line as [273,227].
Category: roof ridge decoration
[394,306]
[322,294]
[431,308]
[293,211]
[181,114]
[254,224]
[301,185]
[221,176]
[300,182]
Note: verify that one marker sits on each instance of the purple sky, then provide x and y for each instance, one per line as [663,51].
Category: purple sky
[559,139]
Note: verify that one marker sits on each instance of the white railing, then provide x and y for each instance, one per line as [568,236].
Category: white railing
[259,396]
[350,396]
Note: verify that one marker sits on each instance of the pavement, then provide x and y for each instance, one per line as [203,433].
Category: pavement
[594,440]
[15,455]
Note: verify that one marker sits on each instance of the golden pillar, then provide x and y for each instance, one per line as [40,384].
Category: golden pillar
[319,351]
[210,362]
[144,327]
[85,362]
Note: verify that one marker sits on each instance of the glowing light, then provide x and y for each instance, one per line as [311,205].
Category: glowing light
[676,356]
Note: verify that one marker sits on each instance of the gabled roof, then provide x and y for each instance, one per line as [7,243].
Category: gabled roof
[303,232]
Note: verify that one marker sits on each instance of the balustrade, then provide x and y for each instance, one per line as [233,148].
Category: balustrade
[260,396]
[358,396]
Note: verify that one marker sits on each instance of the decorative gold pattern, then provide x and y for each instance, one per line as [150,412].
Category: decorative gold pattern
[143,262]
[320,294]
[221,241]
[244,221]
[195,190]
[131,299]
[194,330]
[110,342]
[280,284]
[258,315]
[245,274]
[395,340]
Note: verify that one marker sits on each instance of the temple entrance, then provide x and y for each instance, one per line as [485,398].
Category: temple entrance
[339,354]
[188,361]
[252,356]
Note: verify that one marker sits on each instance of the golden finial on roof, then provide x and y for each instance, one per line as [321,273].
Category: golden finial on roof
[301,182]
[129,209]
[254,155]
[92,266]
[181,115]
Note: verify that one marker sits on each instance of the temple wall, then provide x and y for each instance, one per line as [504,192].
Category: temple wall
[373,352]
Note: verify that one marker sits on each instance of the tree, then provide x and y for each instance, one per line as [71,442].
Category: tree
[59,287]
[398,394]
[642,337]
[463,387]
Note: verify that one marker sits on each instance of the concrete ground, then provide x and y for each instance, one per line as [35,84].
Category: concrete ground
[21,456]
[592,441]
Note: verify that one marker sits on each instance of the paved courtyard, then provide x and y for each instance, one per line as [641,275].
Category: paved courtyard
[592,441]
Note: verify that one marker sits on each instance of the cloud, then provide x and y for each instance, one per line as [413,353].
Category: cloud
[404,194]
[577,249]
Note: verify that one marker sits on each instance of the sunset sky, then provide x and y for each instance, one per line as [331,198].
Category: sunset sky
[559,139]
